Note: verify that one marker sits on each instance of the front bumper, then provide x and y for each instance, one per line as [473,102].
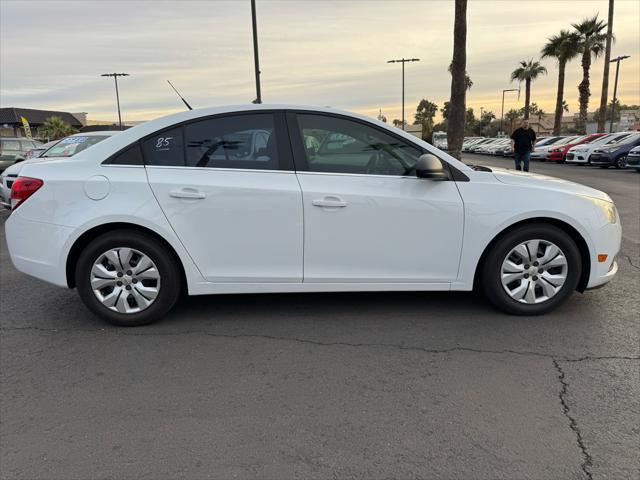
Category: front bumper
[556,157]
[606,240]
[576,157]
[633,161]
[601,159]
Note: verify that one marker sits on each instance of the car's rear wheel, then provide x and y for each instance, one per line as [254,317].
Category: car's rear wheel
[531,270]
[127,278]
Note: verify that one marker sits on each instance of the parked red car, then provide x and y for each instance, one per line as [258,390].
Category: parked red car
[559,154]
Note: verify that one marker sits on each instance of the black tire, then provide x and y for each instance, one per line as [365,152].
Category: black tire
[621,162]
[490,275]
[164,260]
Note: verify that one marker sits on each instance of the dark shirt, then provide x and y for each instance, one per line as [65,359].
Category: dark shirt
[523,139]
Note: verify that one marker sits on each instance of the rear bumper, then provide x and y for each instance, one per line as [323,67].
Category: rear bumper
[37,248]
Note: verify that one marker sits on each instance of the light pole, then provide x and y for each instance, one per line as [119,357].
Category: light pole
[256,59]
[502,114]
[115,78]
[615,89]
[403,61]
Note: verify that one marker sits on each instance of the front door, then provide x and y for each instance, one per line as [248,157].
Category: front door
[228,189]
[368,218]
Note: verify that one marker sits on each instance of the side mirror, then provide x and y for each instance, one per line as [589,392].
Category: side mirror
[430,166]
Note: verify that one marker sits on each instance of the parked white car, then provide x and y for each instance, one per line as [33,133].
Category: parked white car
[333,202]
[541,152]
[66,147]
[581,153]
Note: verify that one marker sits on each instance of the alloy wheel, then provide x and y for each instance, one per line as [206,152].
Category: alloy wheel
[125,280]
[534,271]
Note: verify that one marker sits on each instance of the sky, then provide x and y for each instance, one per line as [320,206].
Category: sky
[312,52]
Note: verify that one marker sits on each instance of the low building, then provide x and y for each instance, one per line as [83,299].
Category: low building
[11,124]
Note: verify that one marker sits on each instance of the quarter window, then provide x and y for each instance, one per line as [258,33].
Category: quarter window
[339,145]
[164,148]
[242,141]
[130,156]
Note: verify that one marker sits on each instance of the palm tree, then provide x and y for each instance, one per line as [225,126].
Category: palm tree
[605,72]
[457,110]
[527,72]
[563,47]
[55,128]
[592,41]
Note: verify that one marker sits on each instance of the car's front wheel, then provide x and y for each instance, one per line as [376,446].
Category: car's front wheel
[621,162]
[128,278]
[531,269]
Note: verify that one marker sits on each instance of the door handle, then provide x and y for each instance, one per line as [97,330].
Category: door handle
[187,193]
[331,202]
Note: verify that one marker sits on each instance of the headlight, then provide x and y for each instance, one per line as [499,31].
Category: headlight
[609,150]
[607,208]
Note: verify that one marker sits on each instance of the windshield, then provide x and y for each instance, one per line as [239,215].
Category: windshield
[70,146]
[596,139]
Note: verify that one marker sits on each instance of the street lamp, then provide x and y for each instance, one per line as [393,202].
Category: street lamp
[115,78]
[615,88]
[502,114]
[256,60]
[403,61]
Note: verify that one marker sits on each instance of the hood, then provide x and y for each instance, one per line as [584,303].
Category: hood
[514,177]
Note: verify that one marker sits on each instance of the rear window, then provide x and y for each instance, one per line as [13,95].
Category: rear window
[13,145]
[70,146]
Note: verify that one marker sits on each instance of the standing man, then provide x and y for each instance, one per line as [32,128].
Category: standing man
[523,141]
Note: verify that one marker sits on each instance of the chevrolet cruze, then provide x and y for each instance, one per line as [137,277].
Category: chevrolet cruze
[259,199]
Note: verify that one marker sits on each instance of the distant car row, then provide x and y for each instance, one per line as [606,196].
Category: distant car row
[66,147]
[617,150]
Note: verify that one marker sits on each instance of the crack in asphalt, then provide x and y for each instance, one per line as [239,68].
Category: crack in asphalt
[631,261]
[551,356]
[573,424]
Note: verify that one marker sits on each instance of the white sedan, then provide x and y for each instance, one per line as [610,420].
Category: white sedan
[259,199]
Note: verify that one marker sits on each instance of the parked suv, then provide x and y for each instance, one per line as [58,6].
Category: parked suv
[14,150]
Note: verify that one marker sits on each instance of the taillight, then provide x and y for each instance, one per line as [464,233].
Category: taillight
[23,188]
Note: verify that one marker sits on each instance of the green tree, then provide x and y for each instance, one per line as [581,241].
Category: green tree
[425,112]
[445,110]
[470,122]
[55,128]
[565,106]
[563,47]
[483,123]
[398,123]
[592,44]
[527,72]
[513,115]
[457,110]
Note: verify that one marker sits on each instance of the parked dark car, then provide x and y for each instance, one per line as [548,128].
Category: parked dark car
[615,155]
[633,158]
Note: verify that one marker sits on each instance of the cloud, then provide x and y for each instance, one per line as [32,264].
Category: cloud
[311,52]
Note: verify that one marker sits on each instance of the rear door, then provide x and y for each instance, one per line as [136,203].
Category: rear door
[227,186]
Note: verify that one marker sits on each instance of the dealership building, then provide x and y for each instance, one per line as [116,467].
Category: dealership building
[11,124]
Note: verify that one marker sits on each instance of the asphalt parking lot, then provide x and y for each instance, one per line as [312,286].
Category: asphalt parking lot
[397,385]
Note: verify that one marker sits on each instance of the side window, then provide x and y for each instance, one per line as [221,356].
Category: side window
[24,146]
[164,148]
[241,141]
[340,145]
[130,156]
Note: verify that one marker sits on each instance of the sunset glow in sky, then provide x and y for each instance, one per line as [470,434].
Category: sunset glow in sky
[311,52]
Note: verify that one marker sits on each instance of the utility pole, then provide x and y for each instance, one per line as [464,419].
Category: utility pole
[115,78]
[256,59]
[502,114]
[615,89]
[403,61]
